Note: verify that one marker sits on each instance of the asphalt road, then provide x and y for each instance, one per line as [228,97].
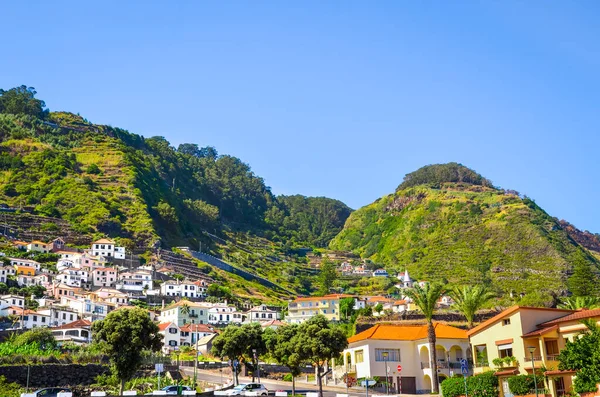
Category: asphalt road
[272,385]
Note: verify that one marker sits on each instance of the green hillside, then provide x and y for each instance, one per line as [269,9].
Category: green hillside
[453,225]
[106,181]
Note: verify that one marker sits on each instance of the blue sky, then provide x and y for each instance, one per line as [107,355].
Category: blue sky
[336,98]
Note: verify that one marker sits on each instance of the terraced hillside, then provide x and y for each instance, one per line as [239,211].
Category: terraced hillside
[469,233]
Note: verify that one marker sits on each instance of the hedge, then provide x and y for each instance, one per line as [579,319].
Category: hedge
[521,385]
[481,385]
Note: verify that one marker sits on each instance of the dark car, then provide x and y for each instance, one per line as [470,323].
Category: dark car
[51,392]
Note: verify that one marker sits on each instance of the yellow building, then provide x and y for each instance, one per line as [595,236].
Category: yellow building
[530,335]
[302,309]
[24,270]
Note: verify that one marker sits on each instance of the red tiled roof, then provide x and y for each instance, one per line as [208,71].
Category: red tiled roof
[163,326]
[75,324]
[197,328]
[407,332]
[559,372]
[318,298]
[540,332]
[276,323]
[578,315]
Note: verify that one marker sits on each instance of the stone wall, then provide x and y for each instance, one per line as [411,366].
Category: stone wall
[52,375]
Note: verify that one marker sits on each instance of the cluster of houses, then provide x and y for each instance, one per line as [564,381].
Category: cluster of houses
[84,286]
[301,309]
[519,340]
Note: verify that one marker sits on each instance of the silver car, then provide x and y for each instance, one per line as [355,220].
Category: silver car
[172,390]
[242,388]
[50,392]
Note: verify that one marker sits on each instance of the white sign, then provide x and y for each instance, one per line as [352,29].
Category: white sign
[371,382]
[159,368]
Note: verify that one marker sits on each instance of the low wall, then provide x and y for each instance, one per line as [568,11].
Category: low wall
[53,375]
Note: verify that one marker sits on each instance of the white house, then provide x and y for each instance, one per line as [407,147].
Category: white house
[39,246]
[58,315]
[223,315]
[184,312]
[12,300]
[191,333]
[78,332]
[138,281]
[404,280]
[171,336]
[33,319]
[86,308]
[262,313]
[107,248]
[369,352]
[184,289]
[380,273]
[73,277]
[25,262]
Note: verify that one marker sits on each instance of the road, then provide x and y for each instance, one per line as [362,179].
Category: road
[272,385]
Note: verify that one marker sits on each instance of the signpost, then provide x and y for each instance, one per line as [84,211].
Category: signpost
[399,368]
[159,367]
[464,369]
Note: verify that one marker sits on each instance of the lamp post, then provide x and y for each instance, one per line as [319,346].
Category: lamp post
[531,350]
[257,367]
[385,357]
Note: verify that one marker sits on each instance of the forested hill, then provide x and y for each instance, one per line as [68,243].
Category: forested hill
[107,181]
[446,222]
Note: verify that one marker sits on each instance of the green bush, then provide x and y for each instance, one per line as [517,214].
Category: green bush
[287,377]
[520,385]
[453,387]
[483,385]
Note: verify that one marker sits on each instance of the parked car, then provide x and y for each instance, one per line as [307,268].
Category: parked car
[50,392]
[172,390]
[242,388]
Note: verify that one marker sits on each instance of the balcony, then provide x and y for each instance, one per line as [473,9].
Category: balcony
[192,315]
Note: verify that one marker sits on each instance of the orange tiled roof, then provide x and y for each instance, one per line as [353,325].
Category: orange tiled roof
[540,331]
[407,332]
[197,328]
[75,324]
[272,323]
[163,326]
[400,302]
[103,241]
[578,315]
[508,312]
[318,298]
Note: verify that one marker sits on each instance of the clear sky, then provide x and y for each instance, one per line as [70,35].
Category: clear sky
[336,98]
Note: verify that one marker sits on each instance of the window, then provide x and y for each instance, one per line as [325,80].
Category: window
[506,321]
[505,350]
[172,343]
[172,330]
[358,356]
[551,347]
[393,355]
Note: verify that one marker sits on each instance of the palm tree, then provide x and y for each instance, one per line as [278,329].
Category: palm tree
[425,298]
[469,299]
[580,302]
[185,309]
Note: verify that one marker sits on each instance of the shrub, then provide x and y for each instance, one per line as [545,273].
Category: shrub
[287,377]
[453,387]
[483,385]
[93,169]
[520,385]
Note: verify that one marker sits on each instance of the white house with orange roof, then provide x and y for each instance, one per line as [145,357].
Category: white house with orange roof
[171,336]
[407,345]
[12,300]
[25,262]
[107,248]
[78,332]
[262,313]
[191,333]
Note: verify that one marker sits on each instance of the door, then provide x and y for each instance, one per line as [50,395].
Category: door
[505,390]
[408,384]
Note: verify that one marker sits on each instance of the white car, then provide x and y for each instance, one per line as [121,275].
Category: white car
[242,388]
[172,390]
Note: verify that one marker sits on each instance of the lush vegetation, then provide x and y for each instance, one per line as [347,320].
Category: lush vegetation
[472,234]
[441,173]
[105,180]
[480,385]
[521,385]
[583,355]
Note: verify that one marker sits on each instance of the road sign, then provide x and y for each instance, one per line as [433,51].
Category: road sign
[464,370]
[399,368]
[159,368]
[371,382]
[463,362]
[464,366]
[388,369]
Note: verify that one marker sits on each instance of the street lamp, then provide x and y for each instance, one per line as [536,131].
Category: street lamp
[385,357]
[531,350]
[257,367]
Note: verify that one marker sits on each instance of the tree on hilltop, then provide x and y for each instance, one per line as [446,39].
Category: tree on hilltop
[21,100]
